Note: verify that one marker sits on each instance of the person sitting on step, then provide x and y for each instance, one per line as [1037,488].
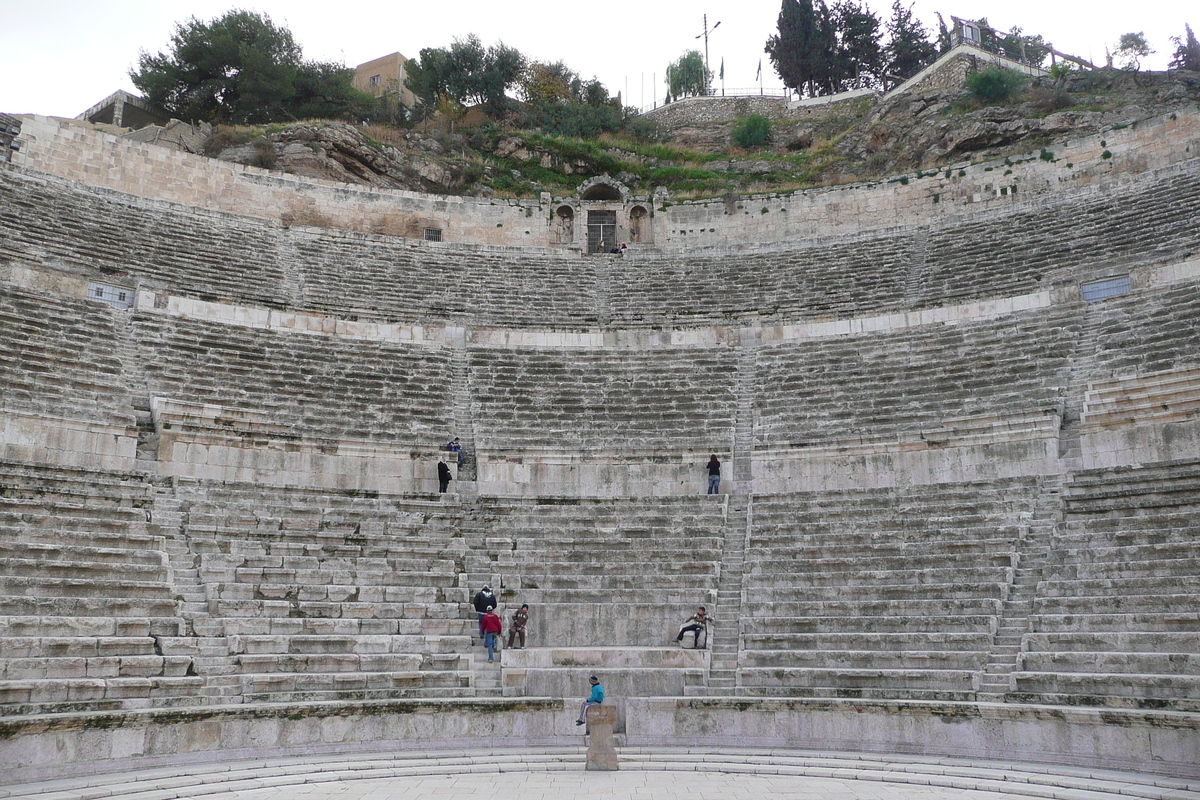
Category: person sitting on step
[697,624]
[595,699]
[517,629]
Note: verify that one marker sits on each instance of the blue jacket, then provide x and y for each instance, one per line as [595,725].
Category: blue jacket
[597,694]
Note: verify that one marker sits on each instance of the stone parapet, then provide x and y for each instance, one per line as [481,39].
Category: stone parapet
[1167,743]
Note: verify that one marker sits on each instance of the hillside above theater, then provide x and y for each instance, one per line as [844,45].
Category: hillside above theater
[688,150]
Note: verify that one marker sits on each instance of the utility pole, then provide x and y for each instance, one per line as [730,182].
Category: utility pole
[707,31]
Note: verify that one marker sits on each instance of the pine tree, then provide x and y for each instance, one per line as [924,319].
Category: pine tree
[810,52]
[793,48]
[909,49]
[859,56]
[1187,51]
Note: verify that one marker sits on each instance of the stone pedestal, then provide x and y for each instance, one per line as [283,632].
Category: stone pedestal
[601,754]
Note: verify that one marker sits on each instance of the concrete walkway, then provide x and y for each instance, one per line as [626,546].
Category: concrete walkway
[692,773]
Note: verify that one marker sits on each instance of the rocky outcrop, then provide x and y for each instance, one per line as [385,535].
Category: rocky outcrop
[344,153]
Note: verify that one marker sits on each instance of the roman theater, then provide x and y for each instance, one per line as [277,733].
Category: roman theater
[955,548]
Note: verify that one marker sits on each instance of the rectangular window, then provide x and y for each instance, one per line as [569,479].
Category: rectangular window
[375,80]
[115,296]
[433,234]
[1096,291]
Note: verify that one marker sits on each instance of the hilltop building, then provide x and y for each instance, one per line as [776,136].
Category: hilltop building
[384,75]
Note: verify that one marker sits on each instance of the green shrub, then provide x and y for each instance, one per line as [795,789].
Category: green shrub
[752,131]
[995,85]
[264,155]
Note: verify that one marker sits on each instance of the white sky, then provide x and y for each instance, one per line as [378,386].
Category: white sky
[59,57]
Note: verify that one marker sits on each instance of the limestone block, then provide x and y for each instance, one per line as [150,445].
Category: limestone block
[601,752]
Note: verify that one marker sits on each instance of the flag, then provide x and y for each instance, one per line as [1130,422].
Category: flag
[758,74]
[722,68]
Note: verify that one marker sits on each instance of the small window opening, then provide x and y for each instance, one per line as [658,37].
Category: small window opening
[1096,291]
[114,296]
[433,234]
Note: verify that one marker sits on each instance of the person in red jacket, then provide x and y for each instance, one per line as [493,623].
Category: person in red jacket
[491,631]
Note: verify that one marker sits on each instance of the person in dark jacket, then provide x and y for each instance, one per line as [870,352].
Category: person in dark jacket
[714,475]
[443,476]
[483,601]
[517,629]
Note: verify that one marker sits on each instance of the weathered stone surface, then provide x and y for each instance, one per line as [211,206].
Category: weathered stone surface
[601,753]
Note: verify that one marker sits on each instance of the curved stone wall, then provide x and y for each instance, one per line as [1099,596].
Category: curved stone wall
[1118,156]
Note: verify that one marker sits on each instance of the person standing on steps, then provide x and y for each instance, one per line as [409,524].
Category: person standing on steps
[444,476]
[595,699]
[714,475]
[491,626]
[519,618]
[484,601]
[698,624]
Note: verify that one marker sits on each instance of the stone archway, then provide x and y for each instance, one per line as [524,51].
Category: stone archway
[603,189]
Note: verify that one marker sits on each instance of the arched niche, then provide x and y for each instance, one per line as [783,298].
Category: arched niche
[639,224]
[564,224]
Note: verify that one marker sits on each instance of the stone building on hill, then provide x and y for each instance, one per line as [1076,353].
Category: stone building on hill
[384,75]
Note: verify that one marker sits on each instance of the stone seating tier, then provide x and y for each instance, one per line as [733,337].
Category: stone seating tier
[602,400]
[604,571]
[1147,332]
[158,244]
[61,357]
[384,392]
[249,261]
[1114,620]
[1020,251]
[867,683]
[914,380]
[784,620]
[827,619]
[86,595]
[328,594]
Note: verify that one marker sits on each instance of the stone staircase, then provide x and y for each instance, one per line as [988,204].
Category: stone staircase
[1017,611]
[914,284]
[485,677]
[464,423]
[206,634]
[1082,365]
[726,634]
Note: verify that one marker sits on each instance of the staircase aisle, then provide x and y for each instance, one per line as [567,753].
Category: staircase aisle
[208,643]
[726,634]
[464,420]
[485,676]
[726,630]
[1015,616]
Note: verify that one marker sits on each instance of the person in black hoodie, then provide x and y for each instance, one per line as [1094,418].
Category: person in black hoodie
[443,476]
[714,475]
[484,602]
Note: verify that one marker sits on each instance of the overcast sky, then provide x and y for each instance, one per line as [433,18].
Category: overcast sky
[58,57]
